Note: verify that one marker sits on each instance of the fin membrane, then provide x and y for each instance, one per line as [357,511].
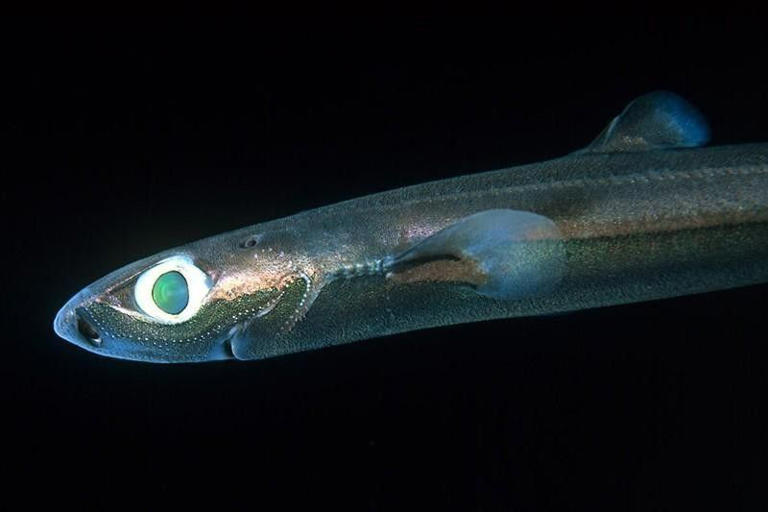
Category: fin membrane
[658,120]
[503,254]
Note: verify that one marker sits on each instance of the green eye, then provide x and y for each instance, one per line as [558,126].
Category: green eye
[171,293]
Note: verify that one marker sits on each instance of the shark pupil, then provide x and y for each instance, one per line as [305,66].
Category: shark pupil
[171,293]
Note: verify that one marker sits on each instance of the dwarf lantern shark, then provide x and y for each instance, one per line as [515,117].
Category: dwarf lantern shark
[644,212]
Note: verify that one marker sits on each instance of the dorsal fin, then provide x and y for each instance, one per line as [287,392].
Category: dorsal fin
[657,120]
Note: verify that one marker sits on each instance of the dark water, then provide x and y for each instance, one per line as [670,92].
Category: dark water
[125,138]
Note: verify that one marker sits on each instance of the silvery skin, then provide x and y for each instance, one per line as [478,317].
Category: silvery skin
[644,212]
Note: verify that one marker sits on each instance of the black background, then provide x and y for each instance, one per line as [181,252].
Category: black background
[124,138]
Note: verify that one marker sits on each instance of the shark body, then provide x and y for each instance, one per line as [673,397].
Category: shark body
[645,212]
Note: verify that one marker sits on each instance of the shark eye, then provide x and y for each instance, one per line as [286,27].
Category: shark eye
[172,291]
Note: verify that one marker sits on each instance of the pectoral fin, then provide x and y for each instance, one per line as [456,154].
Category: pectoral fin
[503,254]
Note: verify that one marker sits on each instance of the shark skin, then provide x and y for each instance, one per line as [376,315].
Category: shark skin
[645,212]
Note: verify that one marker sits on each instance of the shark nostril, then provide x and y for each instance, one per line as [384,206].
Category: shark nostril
[87,330]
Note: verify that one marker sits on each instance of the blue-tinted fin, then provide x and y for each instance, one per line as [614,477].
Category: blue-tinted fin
[503,254]
[658,120]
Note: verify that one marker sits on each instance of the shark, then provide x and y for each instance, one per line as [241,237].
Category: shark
[646,211]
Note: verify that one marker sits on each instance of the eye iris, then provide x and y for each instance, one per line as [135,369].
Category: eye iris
[171,293]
